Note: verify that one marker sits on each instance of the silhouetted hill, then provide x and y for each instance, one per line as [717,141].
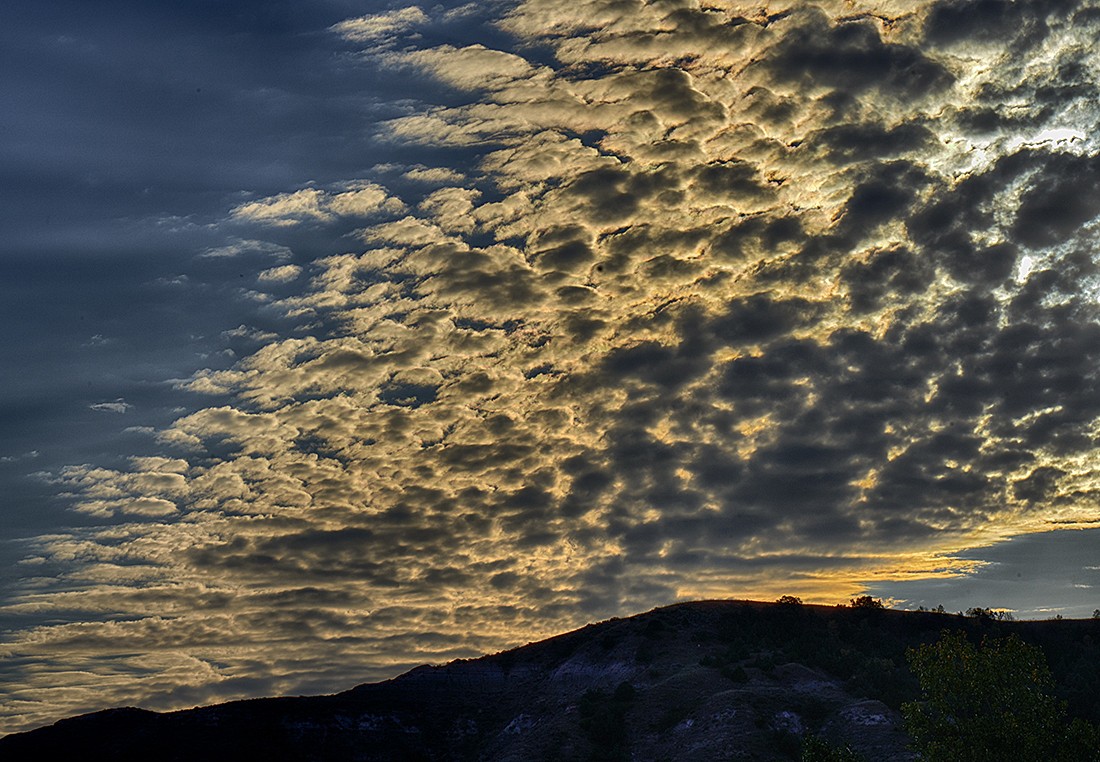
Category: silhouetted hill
[700,681]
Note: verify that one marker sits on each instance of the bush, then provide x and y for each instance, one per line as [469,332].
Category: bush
[992,614]
[816,749]
[866,602]
[735,674]
[603,720]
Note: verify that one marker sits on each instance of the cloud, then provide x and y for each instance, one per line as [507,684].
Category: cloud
[281,274]
[434,175]
[470,68]
[118,406]
[238,247]
[318,206]
[29,455]
[379,25]
[253,334]
[141,506]
[816,52]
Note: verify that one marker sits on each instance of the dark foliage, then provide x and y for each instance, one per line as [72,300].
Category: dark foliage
[990,703]
[603,720]
[815,749]
[866,602]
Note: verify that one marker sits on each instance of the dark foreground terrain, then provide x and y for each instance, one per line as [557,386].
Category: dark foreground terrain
[712,680]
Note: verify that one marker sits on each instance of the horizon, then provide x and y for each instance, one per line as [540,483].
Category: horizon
[350,335]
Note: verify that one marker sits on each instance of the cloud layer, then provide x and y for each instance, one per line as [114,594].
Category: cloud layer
[711,301]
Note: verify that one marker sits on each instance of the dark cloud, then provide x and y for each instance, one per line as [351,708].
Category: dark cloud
[883,193]
[732,179]
[849,143]
[1062,198]
[851,55]
[885,276]
[655,364]
[760,317]
[755,236]
[991,21]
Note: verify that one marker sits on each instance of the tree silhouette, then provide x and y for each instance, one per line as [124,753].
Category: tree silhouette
[979,612]
[866,602]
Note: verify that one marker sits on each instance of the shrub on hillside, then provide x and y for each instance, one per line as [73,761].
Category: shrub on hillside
[815,749]
[866,602]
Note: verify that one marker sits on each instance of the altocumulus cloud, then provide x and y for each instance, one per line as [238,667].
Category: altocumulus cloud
[380,25]
[716,300]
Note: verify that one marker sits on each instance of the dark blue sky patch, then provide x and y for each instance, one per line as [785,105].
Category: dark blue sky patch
[1038,576]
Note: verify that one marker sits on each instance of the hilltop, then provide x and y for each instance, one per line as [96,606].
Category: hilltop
[708,680]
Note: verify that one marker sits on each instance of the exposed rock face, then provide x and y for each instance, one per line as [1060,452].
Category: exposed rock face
[717,680]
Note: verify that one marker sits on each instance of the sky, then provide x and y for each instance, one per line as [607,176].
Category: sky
[347,336]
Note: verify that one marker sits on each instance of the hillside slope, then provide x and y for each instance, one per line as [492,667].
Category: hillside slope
[711,680]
